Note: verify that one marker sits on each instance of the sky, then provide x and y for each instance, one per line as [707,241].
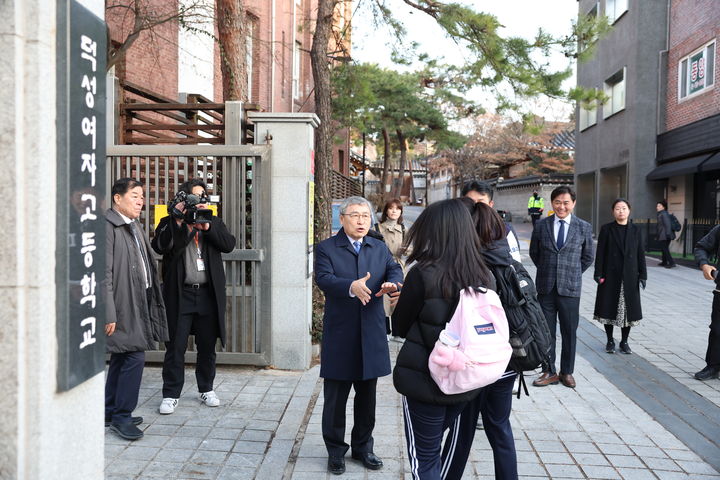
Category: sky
[519,18]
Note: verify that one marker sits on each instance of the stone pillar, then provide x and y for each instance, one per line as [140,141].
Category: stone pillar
[44,434]
[288,177]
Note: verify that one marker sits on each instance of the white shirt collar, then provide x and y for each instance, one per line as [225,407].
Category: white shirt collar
[352,242]
[126,219]
[566,219]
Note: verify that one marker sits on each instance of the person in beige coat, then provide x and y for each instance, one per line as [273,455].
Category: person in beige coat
[393,231]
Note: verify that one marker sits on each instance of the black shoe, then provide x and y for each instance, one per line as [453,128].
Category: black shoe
[336,465]
[672,265]
[707,373]
[370,460]
[610,346]
[133,420]
[625,348]
[661,264]
[128,431]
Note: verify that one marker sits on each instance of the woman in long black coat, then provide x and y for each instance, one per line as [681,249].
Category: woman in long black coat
[620,272]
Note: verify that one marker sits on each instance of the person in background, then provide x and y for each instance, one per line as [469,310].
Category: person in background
[536,205]
[706,248]
[134,307]
[194,292]
[620,273]
[447,252]
[392,229]
[664,234]
[561,247]
[482,192]
[353,270]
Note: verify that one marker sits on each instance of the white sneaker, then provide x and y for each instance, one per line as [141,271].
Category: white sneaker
[210,399]
[168,405]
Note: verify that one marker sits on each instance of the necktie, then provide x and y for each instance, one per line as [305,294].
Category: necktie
[356,245]
[561,234]
[143,254]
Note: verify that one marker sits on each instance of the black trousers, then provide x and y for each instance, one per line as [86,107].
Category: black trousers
[336,393]
[494,404]
[712,357]
[425,425]
[197,315]
[566,310]
[666,257]
[122,385]
[535,218]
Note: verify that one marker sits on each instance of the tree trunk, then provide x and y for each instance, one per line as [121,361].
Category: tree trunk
[402,142]
[232,30]
[386,165]
[323,109]
[412,197]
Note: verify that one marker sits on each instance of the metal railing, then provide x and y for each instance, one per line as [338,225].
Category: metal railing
[235,172]
[692,231]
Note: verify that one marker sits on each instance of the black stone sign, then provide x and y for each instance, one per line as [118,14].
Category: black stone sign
[81,185]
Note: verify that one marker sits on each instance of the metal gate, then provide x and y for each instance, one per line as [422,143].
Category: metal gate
[235,173]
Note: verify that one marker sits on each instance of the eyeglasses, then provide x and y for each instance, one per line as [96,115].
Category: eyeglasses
[356,216]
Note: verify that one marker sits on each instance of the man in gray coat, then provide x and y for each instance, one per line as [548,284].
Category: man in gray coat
[135,309]
[561,248]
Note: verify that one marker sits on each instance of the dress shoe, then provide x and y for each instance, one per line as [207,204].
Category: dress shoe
[625,348]
[128,431]
[370,460]
[336,465]
[707,373]
[546,378]
[610,347]
[661,264]
[133,420]
[672,265]
[567,380]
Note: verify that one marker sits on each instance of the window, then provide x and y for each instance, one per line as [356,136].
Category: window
[587,115]
[249,61]
[696,72]
[588,42]
[614,9]
[615,91]
[296,71]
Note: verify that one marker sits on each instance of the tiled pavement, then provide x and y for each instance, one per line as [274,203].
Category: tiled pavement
[268,426]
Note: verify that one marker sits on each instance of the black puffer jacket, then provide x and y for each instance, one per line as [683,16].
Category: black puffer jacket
[420,316]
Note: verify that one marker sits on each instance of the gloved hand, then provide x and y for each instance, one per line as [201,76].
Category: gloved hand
[642,283]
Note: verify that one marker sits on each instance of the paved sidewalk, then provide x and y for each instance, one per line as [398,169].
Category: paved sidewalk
[633,417]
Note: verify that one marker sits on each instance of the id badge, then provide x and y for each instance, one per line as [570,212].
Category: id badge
[200,265]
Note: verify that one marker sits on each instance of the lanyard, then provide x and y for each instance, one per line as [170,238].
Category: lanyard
[197,244]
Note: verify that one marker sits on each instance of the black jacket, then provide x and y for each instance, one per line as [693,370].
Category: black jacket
[663,229]
[707,247]
[619,262]
[170,241]
[420,316]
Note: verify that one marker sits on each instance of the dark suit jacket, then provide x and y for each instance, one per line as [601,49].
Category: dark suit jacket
[561,268]
[354,343]
[619,262]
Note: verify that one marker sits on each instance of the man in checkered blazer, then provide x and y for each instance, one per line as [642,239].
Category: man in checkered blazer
[562,249]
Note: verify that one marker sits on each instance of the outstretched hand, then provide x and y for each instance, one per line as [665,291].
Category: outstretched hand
[395,296]
[387,287]
[360,290]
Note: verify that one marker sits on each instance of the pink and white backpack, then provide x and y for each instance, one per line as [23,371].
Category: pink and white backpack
[484,350]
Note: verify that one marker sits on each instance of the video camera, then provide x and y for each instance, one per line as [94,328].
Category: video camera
[189,203]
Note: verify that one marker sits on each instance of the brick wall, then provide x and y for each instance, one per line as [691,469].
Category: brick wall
[693,23]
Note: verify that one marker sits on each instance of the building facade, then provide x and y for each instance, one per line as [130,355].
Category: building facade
[615,141]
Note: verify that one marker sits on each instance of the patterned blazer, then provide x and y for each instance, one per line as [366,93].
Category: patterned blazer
[564,267]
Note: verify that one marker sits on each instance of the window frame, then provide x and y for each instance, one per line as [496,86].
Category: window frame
[296,70]
[584,113]
[615,15]
[684,79]
[607,87]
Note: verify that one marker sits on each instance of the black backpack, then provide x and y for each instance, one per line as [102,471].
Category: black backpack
[674,223]
[529,333]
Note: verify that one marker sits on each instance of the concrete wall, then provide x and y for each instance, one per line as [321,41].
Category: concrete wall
[291,289]
[44,434]
[628,136]
[515,200]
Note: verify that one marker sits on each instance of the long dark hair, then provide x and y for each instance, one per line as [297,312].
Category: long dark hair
[444,236]
[488,224]
[392,202]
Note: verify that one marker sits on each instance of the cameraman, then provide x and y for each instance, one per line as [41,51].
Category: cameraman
[194,291]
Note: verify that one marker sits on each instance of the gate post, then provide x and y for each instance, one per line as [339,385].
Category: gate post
[289,179]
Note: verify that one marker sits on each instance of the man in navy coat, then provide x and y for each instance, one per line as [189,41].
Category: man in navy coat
[561,247]
[354,271]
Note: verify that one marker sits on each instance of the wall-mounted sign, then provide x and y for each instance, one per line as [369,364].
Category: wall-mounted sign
[81,184]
